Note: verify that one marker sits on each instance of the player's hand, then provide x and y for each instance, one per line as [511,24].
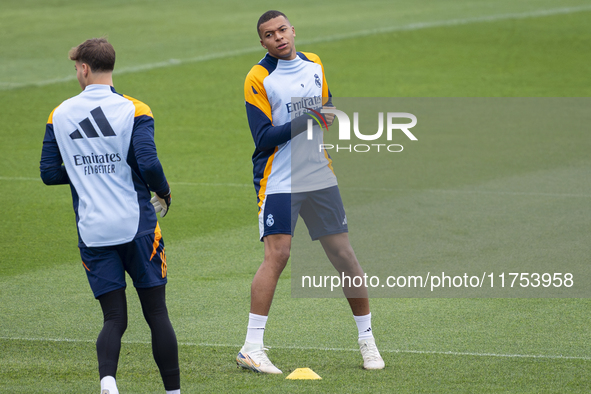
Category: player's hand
[328,117]
[161,204]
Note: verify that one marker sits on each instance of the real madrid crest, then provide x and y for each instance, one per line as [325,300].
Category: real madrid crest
[317,80]
[270,220]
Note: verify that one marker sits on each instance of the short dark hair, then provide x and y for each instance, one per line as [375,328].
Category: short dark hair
[98,53]
[267,16]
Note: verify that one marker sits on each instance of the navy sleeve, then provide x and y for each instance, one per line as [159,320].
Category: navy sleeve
[266,136]
[144,149]
[53,172]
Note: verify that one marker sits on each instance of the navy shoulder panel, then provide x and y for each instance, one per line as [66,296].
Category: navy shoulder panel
[269,62]
[114,91]
[303,57]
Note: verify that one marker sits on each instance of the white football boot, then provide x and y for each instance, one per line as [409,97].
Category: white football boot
[371,355]
[254,357]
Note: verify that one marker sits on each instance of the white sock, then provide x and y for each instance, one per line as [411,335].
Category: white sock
[364,326]
[173,391]
[108,383]
[256,328]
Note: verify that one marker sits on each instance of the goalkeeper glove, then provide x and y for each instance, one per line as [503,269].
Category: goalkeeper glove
[161,204]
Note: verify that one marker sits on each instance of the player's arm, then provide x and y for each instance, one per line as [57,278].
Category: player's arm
[53,172]
[267,136]
[144,149]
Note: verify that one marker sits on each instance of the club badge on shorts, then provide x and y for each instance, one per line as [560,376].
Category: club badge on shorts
[270,220]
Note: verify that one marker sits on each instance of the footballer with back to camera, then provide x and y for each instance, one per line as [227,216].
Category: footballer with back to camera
[101,144]
[280,142]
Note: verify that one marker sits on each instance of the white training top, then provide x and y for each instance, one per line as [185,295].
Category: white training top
[93,131]
[276,92]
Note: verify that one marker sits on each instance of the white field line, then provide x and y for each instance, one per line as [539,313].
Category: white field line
[229,184]
[450,22]
[331,38]
[237,346]
[18,178]
[368,189]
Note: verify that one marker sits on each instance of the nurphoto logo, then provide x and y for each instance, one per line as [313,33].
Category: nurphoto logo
[345,130]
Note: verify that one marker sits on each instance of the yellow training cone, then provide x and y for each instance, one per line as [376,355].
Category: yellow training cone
[303,373]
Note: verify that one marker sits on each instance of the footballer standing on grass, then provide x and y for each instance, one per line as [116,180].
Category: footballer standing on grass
[101,143]
[269,88]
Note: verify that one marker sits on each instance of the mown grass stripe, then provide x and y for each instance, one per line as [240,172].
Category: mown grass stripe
[237,346]
[332,38]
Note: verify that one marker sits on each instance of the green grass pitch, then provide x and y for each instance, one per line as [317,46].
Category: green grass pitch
[188,60]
